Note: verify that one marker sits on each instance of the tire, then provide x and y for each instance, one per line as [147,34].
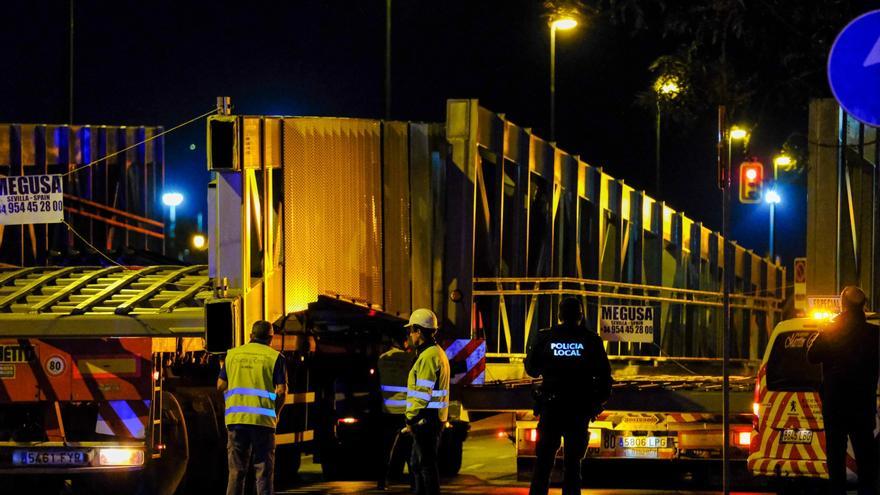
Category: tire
[450,455]
[165,475]
[287,461]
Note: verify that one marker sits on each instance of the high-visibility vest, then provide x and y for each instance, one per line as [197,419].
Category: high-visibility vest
[428,384]
[250,398]
[394,367]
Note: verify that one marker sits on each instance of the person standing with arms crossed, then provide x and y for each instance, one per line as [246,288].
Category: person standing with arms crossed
[577,381]
[849,351]
[427,401]
[254,380]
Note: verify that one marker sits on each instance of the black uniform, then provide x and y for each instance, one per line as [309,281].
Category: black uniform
[577,380]
[848,352]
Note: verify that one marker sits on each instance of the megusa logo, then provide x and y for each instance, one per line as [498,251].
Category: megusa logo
[17,353]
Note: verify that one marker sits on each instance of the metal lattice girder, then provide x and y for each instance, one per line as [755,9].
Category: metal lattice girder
[152,290]
[83,302]
[111,289]
[36,285]
[71,288]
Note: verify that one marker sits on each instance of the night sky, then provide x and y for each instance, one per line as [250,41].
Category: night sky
[163,62]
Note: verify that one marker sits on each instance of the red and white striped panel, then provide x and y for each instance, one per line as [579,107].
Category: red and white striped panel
[468,355]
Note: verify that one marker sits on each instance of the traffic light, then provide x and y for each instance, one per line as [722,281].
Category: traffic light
[751,182]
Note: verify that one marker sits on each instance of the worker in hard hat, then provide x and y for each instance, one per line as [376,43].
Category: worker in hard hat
[427,400]
[394,366]
[848,352]
[576,383]
[254,379]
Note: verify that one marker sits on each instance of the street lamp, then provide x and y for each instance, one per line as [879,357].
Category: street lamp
[562,23]
[199,242]
[667,88]
[172,200]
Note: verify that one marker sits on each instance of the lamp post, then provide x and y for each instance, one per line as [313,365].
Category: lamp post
[773,198]
[726,136]
[667,88]
[172,200]
[556,24]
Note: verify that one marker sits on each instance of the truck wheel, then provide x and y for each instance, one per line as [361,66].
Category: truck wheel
[450,455]
[287,462]
[166,474]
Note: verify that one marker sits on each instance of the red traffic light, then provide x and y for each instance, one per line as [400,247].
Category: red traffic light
[751,182]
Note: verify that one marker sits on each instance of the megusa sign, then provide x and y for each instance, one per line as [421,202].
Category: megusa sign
[30,199]
[627,324]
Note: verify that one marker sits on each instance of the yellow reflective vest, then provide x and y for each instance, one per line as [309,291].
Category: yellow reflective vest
[428,384]
[394,366]
[250,398]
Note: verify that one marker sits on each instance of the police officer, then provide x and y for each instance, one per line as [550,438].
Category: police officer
[427,401]
[394,367]
[848,352]
[577,381]
[254,380]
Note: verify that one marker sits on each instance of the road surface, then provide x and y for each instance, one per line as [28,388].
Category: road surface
[488,467]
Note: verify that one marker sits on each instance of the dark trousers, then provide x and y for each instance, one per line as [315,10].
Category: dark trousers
[395,448]
[861,433]
[426,442]
[246,446]
[554,424]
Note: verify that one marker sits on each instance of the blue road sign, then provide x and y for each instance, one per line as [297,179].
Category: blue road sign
[854,68]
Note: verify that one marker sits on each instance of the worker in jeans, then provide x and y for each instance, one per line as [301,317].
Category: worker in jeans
[427,401]
[254,381]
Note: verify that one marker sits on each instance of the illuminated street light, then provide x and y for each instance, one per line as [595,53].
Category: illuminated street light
[783,161]
[564,23]
[738,133]
[199,241]
[773,197]
[172,199]
[667,87]
[561,23]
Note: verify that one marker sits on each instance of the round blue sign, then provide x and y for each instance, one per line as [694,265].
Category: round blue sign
[854,68]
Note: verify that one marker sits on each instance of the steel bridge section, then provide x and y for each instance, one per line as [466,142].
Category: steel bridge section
[114,203]
[545,219]
[843,203]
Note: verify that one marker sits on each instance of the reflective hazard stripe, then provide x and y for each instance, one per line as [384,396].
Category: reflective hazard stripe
[437,405]
[253,392]
[393,389]
[251,410]
[395,403]
[439,393]
[420,382]
[419,395]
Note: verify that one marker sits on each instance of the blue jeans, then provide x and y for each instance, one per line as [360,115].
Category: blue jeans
[248,444]
[426,441]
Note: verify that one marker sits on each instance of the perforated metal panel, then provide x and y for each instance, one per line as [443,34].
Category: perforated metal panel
[332,210]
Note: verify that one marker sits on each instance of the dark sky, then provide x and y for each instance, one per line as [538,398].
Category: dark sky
[164,62]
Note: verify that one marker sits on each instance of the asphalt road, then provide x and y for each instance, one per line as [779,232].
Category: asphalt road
[488,467]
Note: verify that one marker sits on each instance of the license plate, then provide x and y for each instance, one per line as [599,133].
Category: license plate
[53,458]
[797,436]
[642,442]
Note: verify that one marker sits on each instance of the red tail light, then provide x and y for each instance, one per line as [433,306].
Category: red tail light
[744,438]
[532,435]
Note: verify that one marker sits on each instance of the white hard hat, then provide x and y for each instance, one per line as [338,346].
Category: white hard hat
[424,318]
